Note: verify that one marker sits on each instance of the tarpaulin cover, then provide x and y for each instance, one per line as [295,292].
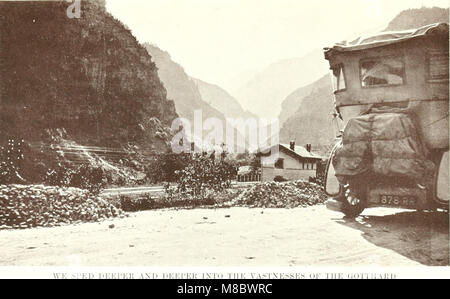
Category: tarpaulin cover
[386,144]
[387,38]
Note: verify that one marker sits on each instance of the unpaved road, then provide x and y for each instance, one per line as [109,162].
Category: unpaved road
[237,237]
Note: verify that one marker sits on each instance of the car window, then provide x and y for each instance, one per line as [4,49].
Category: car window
[339,78]
[382,72]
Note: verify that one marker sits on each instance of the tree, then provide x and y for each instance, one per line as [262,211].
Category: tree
[205,173]
[166,167]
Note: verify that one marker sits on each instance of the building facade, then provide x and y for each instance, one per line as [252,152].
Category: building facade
[293,163]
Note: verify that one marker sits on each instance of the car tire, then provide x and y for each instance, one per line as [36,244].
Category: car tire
[353,203]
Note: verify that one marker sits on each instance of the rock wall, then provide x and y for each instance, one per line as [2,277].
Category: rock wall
[89,76]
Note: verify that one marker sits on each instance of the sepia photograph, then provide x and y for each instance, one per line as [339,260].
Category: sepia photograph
[224,140]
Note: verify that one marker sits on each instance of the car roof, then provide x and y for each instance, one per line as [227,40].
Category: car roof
[388,38]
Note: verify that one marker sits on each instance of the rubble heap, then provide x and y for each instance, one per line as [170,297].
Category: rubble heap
[282,195]
[37,205]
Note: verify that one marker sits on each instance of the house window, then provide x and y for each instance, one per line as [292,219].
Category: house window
[383,71]
[279,164]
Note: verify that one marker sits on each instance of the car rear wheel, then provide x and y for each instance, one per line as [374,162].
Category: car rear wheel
[353,203]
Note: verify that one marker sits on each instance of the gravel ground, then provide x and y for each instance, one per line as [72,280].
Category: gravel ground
[237,237]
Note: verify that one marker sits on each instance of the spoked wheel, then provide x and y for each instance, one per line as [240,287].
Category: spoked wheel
[353,202]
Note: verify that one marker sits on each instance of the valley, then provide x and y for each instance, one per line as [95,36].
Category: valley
[116,149]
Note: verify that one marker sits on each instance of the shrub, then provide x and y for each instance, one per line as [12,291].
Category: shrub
[11,157]
[176,200]
[88,177]
[166,167]
[129,204]
[85,176]
[280,179]
[321,173]
[206,173]
[60,176]
[316,180]
[256,164]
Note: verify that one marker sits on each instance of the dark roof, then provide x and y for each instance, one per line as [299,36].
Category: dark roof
[387,38]
[300,151]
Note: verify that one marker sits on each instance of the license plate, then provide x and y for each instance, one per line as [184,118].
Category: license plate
[395,200]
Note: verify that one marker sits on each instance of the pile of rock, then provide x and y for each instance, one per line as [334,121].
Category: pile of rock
[36,205]
[282,195]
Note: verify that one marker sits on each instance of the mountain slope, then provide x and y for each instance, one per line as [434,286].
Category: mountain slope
[293,102]
[312,122]
[264,94]
[180,87]
[88,76]
[221,100]
[414,18]
[183,90]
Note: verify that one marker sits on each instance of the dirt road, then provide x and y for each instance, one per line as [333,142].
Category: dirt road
[237,237]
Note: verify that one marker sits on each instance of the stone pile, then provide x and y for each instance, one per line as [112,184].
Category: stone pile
[26,206]
[282,195]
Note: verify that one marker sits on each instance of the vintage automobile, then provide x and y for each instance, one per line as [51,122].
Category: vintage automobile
[392,106]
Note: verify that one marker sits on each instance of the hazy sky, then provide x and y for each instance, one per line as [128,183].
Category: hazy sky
[217,40]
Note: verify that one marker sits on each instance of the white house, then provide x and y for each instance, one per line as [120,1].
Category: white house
[293,163]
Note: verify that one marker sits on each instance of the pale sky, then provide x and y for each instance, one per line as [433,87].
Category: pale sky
[217,40]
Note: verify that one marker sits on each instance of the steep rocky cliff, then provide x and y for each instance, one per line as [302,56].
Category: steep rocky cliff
[180,87]
[88,75]
[189,96]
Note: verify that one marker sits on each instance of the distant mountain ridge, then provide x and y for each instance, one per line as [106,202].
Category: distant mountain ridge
[264,94]
[221,100]
[191,95]
[181,88]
